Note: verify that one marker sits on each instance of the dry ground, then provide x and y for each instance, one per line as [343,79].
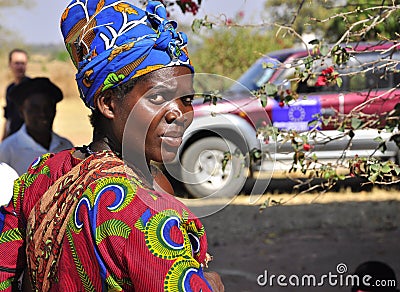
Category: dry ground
[301,238]
[293,239]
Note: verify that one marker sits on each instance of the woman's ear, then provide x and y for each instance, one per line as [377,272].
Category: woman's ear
[105,105]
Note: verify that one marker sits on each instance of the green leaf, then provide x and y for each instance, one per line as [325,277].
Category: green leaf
[263,99]
[313,123]
[226,159]
[308,61]
[264,205]
[196,25]
[327,175]
[397,170]
[378,139]
[324,50]
[375,167]
[256,153]
[356,123]
[386,169]
[268,65]
[314,157]
[335,59]
[373,177]
[339,81]
[270,89]
[326,121]
[336,48]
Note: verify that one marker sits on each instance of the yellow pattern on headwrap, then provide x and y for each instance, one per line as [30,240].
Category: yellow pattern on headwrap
[123,7]
[147,70]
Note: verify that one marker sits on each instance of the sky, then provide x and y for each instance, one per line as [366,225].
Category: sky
[40,23]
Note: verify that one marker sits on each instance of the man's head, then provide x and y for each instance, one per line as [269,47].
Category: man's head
[36,99]
[17,61]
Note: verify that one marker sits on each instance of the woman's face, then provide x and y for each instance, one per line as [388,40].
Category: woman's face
[152,118]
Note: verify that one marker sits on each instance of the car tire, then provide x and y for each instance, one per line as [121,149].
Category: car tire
[202,173]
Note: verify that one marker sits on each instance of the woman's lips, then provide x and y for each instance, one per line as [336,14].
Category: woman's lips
[172,141]
[172,138]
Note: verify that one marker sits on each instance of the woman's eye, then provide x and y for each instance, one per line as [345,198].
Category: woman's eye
[157,99]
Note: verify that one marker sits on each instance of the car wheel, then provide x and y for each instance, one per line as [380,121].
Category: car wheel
[203,174]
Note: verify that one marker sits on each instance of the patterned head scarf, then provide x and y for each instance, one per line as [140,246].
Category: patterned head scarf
[111,42]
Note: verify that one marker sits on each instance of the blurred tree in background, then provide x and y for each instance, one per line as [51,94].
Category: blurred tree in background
[7,36]
[11,3]
[230,52]
[230,48]
[330,19]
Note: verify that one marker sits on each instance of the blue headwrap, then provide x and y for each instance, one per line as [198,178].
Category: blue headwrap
[111,42]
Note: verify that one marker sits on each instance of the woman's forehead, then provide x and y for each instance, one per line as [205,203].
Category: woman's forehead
[169,78]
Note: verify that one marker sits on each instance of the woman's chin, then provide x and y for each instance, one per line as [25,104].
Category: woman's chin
[167,156]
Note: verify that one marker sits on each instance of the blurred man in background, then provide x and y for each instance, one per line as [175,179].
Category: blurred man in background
[17,61]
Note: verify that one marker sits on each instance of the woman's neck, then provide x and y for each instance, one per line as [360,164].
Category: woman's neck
[139,166]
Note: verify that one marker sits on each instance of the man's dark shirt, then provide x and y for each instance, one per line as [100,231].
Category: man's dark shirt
[11,111]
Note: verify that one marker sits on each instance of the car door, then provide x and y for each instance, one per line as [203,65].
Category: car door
[366,95]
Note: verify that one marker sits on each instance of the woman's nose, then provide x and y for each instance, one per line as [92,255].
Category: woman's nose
[175,115]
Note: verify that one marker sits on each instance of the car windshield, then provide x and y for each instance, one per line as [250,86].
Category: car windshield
[257,75]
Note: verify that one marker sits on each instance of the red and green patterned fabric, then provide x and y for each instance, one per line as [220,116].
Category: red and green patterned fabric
[85,225]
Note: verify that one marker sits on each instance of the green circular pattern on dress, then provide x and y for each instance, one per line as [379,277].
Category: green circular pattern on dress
[184,276]
[165,237]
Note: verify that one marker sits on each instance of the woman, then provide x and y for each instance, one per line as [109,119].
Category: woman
[87,220]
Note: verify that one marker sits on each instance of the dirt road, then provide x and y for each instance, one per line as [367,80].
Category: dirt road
[302,238]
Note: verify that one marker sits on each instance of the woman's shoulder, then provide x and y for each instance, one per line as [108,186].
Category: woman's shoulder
[55,164]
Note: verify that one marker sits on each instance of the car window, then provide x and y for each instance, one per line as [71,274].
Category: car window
[363,71]
[371,71]
[257,75]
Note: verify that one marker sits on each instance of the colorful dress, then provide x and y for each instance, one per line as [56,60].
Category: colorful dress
[87,225]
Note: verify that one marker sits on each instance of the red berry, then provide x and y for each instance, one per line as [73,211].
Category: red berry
[306,147]
[281,104]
